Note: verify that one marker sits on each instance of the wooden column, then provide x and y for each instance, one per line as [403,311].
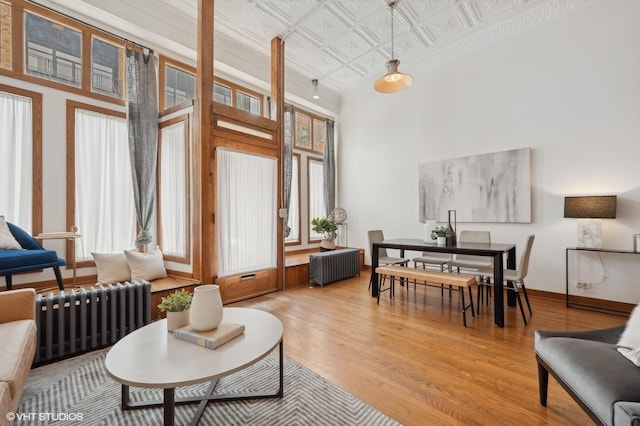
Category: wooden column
[204,247]
[277,114]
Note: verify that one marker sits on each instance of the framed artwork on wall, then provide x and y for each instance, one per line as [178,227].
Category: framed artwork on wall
[492,187]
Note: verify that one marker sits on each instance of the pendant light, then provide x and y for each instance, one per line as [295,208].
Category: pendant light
[393,81]
[315,94]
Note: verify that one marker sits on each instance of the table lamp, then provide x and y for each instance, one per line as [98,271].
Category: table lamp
[589,210]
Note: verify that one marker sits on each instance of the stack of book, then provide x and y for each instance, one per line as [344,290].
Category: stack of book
[210,339]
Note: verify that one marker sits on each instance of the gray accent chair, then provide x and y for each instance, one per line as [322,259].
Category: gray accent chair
[587,364]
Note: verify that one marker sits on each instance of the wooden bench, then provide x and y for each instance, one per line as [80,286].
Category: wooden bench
[428,277]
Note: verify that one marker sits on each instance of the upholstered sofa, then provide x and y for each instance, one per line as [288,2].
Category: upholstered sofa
[587,364]
[18,339]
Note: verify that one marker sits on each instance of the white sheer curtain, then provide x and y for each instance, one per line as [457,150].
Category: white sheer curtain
[105,211]
[246,217]
[173,204]
[16,159]
[316,195]
[294,203]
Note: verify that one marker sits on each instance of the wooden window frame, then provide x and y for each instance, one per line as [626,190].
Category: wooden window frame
[187,229]
[308,221]
[71,165]
[235,88]
[36,154]
[18,71]
[312,117]
[162,63]
[299,240]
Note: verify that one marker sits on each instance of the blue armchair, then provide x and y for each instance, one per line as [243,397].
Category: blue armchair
[32,258]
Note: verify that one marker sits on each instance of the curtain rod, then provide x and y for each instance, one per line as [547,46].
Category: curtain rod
[126,40]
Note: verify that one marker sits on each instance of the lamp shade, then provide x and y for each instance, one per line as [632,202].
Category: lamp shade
[394,80]
[590,207]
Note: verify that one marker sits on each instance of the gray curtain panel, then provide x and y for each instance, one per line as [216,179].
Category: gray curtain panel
[142,121]
[288,166]
[329,167]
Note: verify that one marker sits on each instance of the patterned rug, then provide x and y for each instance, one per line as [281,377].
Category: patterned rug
[78,391]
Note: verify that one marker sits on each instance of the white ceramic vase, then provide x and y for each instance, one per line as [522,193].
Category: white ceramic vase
[206,308]
[177,319]
[442,241]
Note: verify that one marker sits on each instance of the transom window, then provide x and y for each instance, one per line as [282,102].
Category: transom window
[179,86]
[53,51]
[107,68]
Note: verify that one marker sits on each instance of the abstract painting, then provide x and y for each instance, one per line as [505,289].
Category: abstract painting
[492,187]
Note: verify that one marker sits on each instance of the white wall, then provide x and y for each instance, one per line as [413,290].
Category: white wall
[569,89]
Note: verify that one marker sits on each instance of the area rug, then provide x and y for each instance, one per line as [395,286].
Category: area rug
[78,391]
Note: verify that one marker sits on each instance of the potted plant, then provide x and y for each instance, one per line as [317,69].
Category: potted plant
[440,234]
[176,305]
[327,227]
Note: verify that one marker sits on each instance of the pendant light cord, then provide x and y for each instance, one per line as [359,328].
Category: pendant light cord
[392,5]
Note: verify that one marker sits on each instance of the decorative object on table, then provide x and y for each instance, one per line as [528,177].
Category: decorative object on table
[463,184]
[327,227]
[209,339]
[439,234]
[589,211]
[451,228]
[339,216]
[427,230]
[176,305]
[206,308]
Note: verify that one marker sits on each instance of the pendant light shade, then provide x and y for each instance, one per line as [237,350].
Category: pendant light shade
[393,81]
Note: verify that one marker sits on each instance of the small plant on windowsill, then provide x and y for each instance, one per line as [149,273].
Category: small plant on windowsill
[327,227]
[176,305]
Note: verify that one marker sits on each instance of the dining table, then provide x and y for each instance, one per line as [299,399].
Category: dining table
[495,251]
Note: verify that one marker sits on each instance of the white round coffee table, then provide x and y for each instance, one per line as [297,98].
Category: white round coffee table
[151,357]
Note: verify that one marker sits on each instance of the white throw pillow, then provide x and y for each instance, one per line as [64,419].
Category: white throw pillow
[7,240]
[112,267]
[632,355]
[630,337]
[146,266]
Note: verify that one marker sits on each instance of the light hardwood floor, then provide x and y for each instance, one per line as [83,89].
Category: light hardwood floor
[412,359]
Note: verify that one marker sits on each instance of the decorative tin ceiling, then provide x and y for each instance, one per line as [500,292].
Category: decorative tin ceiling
[341,42]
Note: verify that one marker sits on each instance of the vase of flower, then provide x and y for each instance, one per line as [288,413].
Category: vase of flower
[206,308]
[439,233]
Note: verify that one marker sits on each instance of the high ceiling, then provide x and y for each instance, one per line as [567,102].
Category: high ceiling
[341,42]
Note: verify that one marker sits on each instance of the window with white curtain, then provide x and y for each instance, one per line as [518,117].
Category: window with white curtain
[316,195]
[16,159]
[246,217]
[104,206]
[294,202]
[173,189]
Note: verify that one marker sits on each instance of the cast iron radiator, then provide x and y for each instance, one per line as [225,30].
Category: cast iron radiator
[70,323]
[329,266]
